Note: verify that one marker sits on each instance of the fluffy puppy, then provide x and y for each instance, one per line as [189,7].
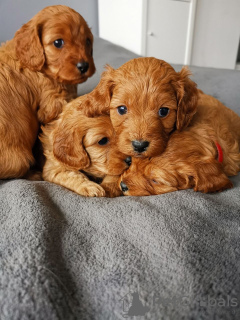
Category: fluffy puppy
[147,101]
[39,71]
[62,142]
[202,156]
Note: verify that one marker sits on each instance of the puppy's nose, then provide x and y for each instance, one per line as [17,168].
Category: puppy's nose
[83,66]
[123,186]
[139,145]
[128,161]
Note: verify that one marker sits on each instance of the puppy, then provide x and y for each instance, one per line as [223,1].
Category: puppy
[147,101]
[202,156]
[39,71]
[62,142]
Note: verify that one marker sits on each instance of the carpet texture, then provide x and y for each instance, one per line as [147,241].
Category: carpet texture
[172,256]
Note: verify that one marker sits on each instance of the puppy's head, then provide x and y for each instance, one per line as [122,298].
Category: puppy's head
[134,181]
[58,42]
[100,145]
[148,100]
[88,144]
[146,177]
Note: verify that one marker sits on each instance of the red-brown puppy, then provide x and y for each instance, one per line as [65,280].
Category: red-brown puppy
[202,156]
[147,101]
[63,140]
[39,70]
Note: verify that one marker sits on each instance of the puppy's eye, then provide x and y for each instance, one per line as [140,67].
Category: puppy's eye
[122,110]
[163,112]
[89,46]
[58,43]
[88,42]
[103,141]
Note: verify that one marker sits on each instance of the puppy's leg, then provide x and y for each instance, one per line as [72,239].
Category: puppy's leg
[16,143]
[14,161]
[33,175]
[72,180]
[50,107]
[18,124]
[52,102]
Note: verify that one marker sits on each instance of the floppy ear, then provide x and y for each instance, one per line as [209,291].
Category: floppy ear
[28,46]
[68,145]
[97,102]
[187,98]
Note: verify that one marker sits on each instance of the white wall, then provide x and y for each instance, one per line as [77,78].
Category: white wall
[161,28]
[216,33]
[124,19]
[14,13]
[167,26]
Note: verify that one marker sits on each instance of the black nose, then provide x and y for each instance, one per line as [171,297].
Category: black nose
[123,186]
[128,161]
[83,66]
[139,145]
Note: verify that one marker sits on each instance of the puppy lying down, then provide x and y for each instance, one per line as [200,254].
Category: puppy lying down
[147,101]
[66,164]
[178,137]
[202,156]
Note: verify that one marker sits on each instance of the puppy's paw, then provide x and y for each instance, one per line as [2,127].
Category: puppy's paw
[90,189]
[33,175]
[51,112]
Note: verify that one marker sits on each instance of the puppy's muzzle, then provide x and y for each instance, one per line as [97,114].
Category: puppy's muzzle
[83,66]
[128,161]
[140,146]
[123,186]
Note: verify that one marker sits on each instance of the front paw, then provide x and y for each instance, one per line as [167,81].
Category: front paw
[51,111]
[90,189]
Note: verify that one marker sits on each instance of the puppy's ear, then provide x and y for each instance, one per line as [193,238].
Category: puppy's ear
[98,101]
[68,145]
[187,98]
[28,46]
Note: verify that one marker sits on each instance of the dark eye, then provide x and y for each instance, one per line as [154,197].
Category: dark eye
[103,141]
[88,42]
[89,45]
[58,43]
[163,112]
[122,110]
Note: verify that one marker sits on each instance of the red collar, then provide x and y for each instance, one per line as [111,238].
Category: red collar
[220,152]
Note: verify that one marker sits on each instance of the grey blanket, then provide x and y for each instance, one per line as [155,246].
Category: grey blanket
[172,256]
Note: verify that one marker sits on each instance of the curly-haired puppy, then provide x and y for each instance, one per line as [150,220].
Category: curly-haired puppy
[147,101]
[39,71]
[63,141]
[202,156]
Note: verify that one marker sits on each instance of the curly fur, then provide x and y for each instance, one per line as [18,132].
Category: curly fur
[63,143]
[36,80]
[191,157]
[144,85]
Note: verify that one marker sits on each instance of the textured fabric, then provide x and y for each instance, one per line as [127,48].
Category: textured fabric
[172,256]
